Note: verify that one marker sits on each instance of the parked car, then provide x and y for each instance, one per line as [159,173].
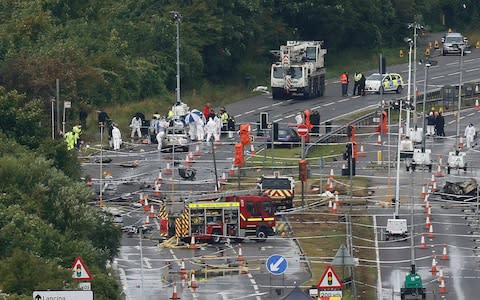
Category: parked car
[390,82]
[287,137]
[176,138]
[453,43]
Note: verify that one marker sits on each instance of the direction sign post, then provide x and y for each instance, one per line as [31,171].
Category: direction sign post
[276,264]
[66,295]
[329,280]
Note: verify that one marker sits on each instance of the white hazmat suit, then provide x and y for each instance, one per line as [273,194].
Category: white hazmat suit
[200,123]
[136,124]
[116,137]
[470,135]
[162,125]
[211,129]
[218,124]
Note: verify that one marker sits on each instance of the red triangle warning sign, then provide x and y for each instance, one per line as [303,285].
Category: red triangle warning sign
[80,270]
[329,280]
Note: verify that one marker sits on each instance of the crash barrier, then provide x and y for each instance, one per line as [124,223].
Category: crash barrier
[444,98]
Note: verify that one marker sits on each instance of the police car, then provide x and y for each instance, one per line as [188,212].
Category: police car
[382,83]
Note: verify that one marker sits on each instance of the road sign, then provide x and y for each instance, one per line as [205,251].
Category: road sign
[80,270]
[329,280]
[302,130]
[67,104]
[343,258]
[286,59]
[64,295]
[330,294]
[276,264]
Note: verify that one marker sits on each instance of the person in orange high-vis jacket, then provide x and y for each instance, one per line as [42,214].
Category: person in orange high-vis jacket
[344,83]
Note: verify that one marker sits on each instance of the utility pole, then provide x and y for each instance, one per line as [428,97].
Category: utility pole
[397,185]
[177,18]
[427,66]
[459,98]
[409,90]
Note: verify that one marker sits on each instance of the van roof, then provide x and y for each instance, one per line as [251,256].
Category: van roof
[453,34]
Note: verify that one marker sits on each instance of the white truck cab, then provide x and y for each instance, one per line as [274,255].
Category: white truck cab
[396,228]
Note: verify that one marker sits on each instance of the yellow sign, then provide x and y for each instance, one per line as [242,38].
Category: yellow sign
[401,52]
[214,205]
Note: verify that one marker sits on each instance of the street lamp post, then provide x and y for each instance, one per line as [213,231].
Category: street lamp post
[397,185]
[407,127]
[427,66]
[177,18]
[459,96]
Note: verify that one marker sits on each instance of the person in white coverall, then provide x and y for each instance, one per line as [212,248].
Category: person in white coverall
[136,124]
[200,123]
[116,137]
[470,135]
[210,129]
[299,118]
[192,131]
[162,125]
[218,131]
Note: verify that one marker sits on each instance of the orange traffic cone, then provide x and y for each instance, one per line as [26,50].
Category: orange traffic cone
[434,266]
[429,212]
[190,155]
[231,172]
[434,187]
[192,243]
[330,186]
[331,176]
[444,253]
[433,179]
[424,192]
[159,179]
[334,208]
[240,257]
[157,190]
[147,220]
[224,178]
[442,288]
[477,106]
[423,245]
[146,207]
[439,172]
[336,199]
[193,283]
[252,150]
[379,139]
[152,212]
[197,151]
[428,224]
[460,143]
[430,232]
[174,294]
[187,162]
[330,204]
[183,271]
[168,170]
[440,274]
[362,152]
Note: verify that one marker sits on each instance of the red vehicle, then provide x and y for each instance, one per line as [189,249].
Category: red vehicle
[238,217]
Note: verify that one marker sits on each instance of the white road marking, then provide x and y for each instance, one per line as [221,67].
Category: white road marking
[316,107]
[343,100]
[377,258]
[470,114]
[263,107]
[454,73]
[452,121]
[436,77]
[328,104]
[250,111]
[452,63]
[472,70]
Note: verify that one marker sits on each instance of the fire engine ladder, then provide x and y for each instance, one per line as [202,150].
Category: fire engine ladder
[210,196]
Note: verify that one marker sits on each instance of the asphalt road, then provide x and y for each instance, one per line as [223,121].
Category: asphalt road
[158,278]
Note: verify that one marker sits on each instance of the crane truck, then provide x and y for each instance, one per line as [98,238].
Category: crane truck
[299,71]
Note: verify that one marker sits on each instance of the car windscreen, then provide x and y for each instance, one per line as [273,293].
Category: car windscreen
[374,77]
[275,183]
[295,72]
[454,40]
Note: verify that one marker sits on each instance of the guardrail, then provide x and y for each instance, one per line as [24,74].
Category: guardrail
[447,95]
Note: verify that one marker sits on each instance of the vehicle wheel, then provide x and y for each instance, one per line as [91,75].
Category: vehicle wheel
[322,89]
[448,170]
[216,239]
[261,235]
[387,236]
[277,93]
[465,168]
[399,89]
[408,168]
[430,168]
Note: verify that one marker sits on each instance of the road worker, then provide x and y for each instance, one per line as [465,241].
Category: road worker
[470,135]
[70,140]
[344,83]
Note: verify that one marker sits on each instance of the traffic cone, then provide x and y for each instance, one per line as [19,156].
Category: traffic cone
[379,139]
[157,190]
[460,143]
[152,212]
[252,150]
[174,294]
[362,152]
[159,179]
[444,253]
[224,178]
[439,172]
[440,274]
[427,205]
[193,282]
[330,186]
[192,243]
[330,204]
[343,167]
[187,162]
[197,151]
[147,220]
[428,224]
[477,106]
[442,288]
[146,207]
[423,245]
[231,172]
[334,208]
[429,212]
[336,199]
[331,176]
[424,193]
[434,266]
[434,187]
[240,257]
[430,232]
[433,179]
[168,170]
[183,271]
